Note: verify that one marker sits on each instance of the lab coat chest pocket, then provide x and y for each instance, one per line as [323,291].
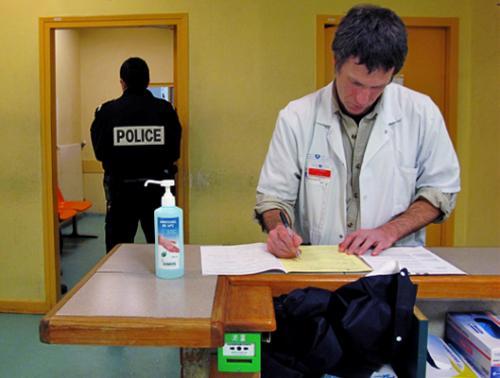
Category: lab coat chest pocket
[403,153]
[318,177]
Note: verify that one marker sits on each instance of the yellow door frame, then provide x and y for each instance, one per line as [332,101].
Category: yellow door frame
[451,93]
[47,27]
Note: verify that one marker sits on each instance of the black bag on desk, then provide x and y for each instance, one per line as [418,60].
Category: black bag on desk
[350,332]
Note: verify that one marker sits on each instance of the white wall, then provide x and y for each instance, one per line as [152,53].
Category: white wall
[68,101]
[68,114]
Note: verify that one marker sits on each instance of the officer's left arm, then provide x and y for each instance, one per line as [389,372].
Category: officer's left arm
[97,135]
[438,181]
[174,131]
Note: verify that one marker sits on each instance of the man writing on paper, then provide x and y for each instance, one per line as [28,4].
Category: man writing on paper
[363,162]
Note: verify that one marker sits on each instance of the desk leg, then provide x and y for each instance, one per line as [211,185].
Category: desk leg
[195,362]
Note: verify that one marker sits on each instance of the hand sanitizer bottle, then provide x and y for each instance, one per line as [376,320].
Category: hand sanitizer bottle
[169,237]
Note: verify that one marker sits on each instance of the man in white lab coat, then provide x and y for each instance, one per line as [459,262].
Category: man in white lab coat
[363,163]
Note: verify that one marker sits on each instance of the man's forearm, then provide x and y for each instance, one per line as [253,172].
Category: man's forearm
[270,219]
[418,215]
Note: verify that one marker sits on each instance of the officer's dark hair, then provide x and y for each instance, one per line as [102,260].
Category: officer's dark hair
[374,35]
[135,73]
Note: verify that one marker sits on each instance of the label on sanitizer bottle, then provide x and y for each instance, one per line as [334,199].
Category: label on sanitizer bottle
[168,243]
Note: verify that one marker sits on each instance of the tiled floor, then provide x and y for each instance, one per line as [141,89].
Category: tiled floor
[22,355]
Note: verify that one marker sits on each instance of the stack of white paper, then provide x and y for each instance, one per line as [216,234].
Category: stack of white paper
[417,260]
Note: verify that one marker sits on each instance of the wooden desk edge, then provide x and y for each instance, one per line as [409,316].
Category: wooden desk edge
[77,287]
[46,324]
[429,287]
[139,331]
[182,332]
[241,304]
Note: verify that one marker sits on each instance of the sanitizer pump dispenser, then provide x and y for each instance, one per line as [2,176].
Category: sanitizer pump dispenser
[169,236]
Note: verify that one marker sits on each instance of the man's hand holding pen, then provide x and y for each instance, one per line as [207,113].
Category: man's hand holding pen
[282,241]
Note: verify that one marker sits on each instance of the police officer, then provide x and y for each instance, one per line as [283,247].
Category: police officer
[136,137]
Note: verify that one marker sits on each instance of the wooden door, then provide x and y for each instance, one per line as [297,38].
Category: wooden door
[47,28]
[430,68]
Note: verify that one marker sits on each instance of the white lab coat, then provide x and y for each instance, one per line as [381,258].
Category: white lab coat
[409,148]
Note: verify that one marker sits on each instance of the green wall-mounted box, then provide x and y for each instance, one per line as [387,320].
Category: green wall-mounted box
[240,353]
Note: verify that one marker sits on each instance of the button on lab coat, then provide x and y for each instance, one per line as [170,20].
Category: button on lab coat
[409,148]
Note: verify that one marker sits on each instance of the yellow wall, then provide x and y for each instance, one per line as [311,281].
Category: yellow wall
[248,58]
[483,140]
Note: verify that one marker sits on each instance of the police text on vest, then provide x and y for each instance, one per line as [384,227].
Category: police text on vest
[138,135]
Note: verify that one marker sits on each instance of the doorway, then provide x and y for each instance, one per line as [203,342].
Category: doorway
[47,28]
[431,67]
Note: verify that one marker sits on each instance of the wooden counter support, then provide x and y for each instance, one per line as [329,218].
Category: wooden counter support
[250,309]
[242,308]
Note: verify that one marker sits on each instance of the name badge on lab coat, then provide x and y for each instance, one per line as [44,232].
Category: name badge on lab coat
[319,167]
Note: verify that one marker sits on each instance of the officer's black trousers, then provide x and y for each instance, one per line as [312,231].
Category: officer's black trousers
[127,204]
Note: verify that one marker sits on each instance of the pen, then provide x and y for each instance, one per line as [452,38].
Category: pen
[284,220]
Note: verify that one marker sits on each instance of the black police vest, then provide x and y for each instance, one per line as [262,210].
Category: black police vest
[137,136]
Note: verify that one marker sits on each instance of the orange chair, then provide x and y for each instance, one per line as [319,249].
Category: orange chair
[65,214]
[67,207]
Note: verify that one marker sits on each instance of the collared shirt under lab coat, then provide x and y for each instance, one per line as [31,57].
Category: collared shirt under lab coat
[305,168]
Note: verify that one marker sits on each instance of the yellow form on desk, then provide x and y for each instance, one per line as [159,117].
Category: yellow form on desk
[254,258]
[324,258]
